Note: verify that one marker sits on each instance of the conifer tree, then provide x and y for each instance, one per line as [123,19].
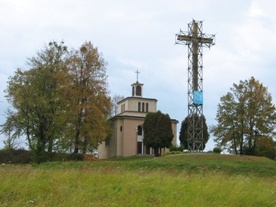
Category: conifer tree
[157,131]
[183,134]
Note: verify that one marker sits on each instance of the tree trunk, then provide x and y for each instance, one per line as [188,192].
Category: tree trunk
[76,149]
[156,152]
[235,145]
[39,151]
[254,146]
[241,144]
[84,147]
[50,145]
[77,142]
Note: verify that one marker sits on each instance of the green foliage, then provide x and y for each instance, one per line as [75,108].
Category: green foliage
[37,107]
[183,134]
[15,156]
[217,150]
[60,102]
[173,153]
[176,148]
[245,115]
[266,147]
[157,131]
[21,156]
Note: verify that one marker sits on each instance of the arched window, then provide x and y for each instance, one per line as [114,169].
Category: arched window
[138,91]
[147,107]
[143,107]
[139,130]
[132,90]
[139,106]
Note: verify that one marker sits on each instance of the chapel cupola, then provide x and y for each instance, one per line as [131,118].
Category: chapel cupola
[137,88]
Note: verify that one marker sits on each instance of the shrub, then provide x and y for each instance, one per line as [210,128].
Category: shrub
[22,156]
[19,156]
[173,148]
[173,153]
[176,148]
[54,157]
[75,157]
[217,150]
[265,147]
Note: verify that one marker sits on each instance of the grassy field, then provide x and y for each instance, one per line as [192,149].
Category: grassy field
[180,180]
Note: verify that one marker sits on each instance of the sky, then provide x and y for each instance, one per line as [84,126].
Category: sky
[140,35]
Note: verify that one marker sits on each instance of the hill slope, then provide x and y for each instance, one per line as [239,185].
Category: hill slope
[185,180]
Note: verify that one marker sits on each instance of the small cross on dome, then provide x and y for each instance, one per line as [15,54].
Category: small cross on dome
[137,72]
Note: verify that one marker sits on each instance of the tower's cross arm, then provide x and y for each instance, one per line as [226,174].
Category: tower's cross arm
[195,39]
[195,36]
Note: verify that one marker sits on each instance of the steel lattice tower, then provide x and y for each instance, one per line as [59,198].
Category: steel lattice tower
[196,40]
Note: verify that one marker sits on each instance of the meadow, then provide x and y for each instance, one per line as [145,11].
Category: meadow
[179,180]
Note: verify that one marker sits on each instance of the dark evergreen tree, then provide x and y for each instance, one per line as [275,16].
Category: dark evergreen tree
[183,134]
[157,131]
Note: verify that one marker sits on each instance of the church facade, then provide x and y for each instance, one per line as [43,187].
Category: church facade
[127,135]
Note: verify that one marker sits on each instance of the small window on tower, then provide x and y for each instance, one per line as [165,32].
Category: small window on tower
[147,107]
[143,107]
[139,106]
[138,91]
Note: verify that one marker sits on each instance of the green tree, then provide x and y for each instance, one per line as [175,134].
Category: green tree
[34,98]
[245,110]
[157,131]
[61,101]
[265,147]
[183,134]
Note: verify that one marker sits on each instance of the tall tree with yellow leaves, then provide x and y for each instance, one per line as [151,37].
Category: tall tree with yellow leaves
[87,98]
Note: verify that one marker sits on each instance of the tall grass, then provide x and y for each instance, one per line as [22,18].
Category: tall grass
[132,182]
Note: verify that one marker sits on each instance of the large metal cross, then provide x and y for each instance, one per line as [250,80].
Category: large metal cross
[195,39]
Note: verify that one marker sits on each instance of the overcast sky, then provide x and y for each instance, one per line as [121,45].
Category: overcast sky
[134,34]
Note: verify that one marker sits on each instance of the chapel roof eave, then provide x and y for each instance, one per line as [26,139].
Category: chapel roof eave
[136,97]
